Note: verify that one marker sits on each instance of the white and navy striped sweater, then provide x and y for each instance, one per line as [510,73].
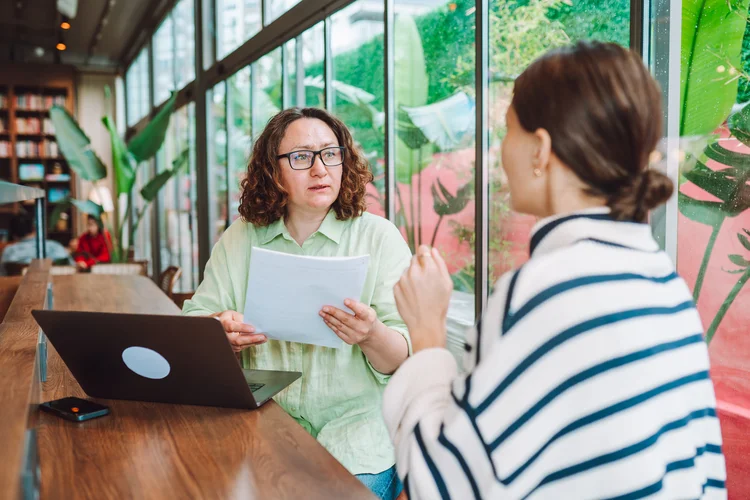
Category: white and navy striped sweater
[588,378]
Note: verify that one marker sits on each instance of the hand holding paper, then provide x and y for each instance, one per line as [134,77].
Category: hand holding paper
[285,294]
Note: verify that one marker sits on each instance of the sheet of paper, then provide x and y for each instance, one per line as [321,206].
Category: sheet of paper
[286,292]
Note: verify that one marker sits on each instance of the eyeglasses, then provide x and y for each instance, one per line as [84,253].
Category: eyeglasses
[304,159]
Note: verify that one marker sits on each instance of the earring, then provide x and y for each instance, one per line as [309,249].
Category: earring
[537,172]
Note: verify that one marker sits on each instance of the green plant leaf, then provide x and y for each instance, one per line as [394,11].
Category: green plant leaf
[704,212]
[739,260]
[411,86]
[739,125]
[76,146]
[85,206]
[743,240]
[88,207]
[724,156]
[712,32]
[151,190]
[148,141]
[735,271]
[715,182]
[123,163]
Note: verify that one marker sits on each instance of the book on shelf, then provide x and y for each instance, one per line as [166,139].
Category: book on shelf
[5,149]
[33,102]
[37,149]
[3,101]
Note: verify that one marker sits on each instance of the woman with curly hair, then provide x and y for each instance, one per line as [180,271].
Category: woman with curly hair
[304,194]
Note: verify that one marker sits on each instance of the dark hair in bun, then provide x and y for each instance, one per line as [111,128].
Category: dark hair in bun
[602,109]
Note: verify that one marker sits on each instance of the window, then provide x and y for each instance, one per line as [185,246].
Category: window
[240,139]
[310,61]
[217,161]
[137,84]
[178,225]
[163,61]
[184,24]
[518,35]
[358,59]
[710,116]
[266,100]
[435,141]
[275,8]
[236,22]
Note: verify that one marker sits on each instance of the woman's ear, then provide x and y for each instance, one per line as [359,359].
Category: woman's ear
[544,149]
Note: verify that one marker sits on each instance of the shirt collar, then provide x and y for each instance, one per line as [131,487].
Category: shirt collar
[331,228]
[591,224]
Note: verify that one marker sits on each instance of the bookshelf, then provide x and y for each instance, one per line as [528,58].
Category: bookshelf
[29,154]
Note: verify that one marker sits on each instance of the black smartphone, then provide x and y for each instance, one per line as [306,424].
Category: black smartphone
[75,409]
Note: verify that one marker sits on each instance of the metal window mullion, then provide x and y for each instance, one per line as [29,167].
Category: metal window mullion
[284,77]
[202,179]
[263,14]
[155,205]
[636,25]
[481,179]
[390,111]
[328,93]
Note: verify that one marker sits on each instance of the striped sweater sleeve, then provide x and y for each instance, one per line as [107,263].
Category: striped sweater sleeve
[440,452]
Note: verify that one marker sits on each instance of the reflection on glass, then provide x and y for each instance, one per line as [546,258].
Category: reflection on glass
[136,81]
[239,130]
[163,61]
[275,8]
[178,226]
[310,57]
[435,140]
[518,35]
[266,90]
[142,237]
[292,86]
[357,51]
[184,42]
[217,161]
[713,228]
[236,22]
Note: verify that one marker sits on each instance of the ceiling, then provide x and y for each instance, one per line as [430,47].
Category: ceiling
[27,25]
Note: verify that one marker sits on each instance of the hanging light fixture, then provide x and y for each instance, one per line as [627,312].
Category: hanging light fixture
[65,23]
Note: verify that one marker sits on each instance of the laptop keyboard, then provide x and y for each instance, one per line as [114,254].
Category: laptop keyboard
[255,387]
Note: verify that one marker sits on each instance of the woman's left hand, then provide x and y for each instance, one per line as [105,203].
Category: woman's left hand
[351,328]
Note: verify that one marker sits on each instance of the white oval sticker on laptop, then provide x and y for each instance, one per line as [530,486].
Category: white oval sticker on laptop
[146,362]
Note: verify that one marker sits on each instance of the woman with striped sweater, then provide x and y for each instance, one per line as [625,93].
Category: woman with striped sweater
[587,376]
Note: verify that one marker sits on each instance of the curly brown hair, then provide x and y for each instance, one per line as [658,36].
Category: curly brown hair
[264,199]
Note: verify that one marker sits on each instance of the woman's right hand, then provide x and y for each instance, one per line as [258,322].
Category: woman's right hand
[240,335]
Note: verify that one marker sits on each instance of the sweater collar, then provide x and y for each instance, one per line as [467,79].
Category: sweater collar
[594,224]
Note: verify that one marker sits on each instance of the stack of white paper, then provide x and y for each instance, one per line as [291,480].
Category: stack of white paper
[286,292]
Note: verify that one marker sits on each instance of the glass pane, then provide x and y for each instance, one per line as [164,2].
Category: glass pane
[275,8]
[239,132]
[183,15]
[163,62]
[266,90]
[357,51]
[142,215]
[713,227]
[136,81]
[217,161]
[177,216]
[434,91]
[310,57]
[292,89]
[518,35]
[236,22]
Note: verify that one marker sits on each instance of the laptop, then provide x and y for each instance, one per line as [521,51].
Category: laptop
[163,359]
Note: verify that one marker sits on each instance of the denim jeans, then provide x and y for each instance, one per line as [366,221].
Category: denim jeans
[386,485]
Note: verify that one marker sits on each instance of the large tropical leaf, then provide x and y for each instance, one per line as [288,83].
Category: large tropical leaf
[85,206]
[712,32]
[724,156]
[739,260]
[76,146]
[719,183]
[446,123]
[739,124]
[151,190]
[411,85]
[148,141]
[743,239]
[704,212]
[445,203]
[123,162]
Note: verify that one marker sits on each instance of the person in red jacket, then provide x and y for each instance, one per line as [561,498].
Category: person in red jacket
[93,245]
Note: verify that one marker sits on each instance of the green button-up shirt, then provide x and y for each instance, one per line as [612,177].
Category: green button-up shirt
[338,398]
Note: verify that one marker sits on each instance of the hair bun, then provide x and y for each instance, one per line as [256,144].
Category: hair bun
[648,190]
